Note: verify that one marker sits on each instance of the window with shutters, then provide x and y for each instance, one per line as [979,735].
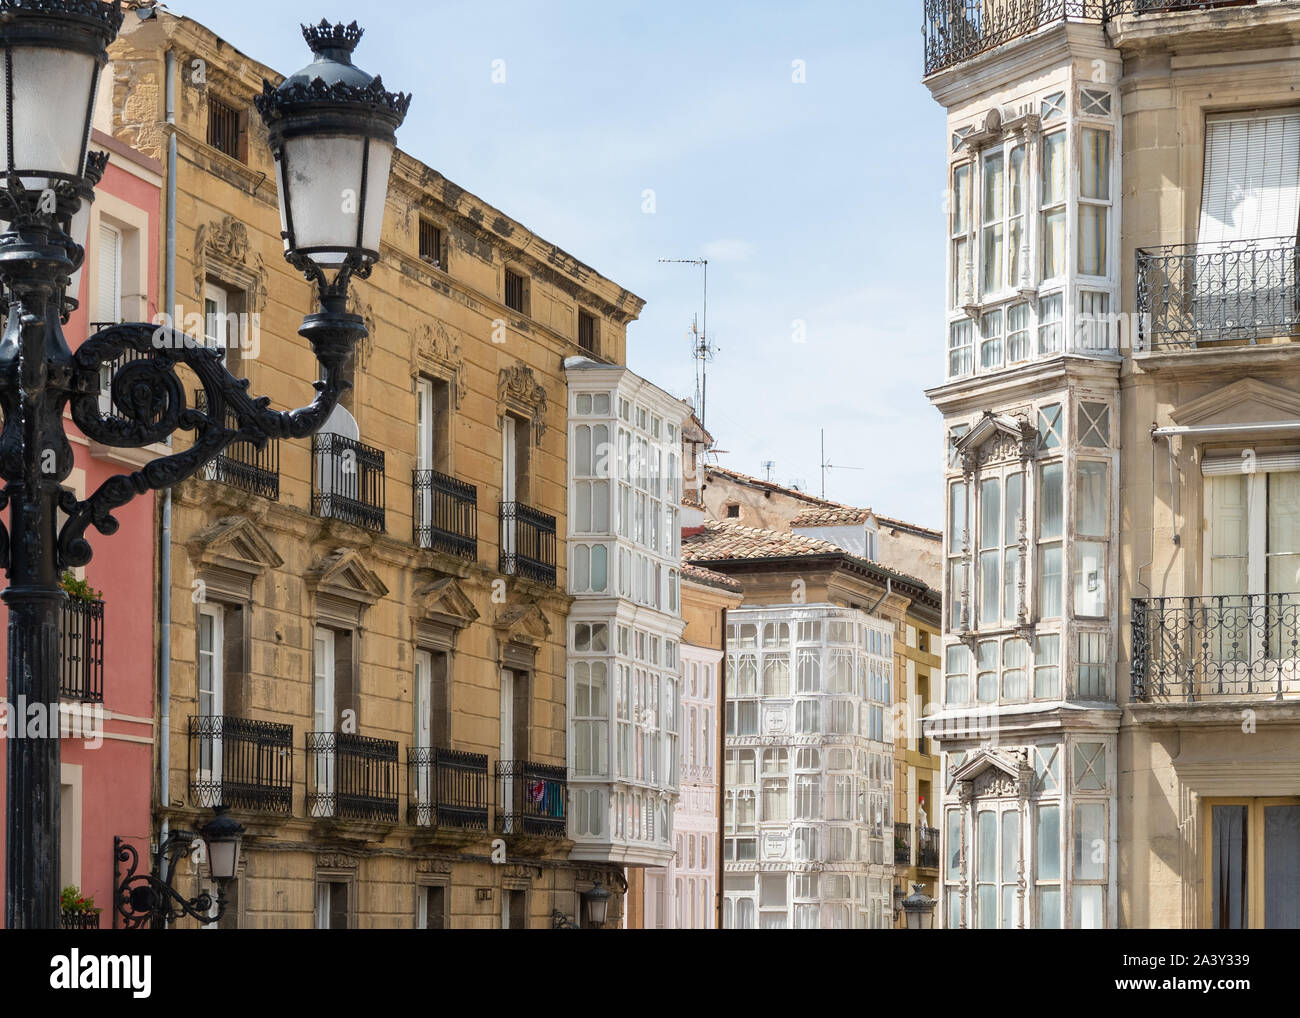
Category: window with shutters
[588,332]
[107,298]
[1252,538]
[516,292]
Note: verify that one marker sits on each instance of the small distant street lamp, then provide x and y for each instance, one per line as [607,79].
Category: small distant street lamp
[597,902]
[332,130]
[150,898]
[919,908]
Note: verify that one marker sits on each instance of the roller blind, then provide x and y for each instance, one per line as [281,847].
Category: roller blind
[1222,465]
[108,295]
[1251,187]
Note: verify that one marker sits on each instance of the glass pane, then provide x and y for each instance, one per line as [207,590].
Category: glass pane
[1089,842]
[1049,908]
[1054,168]
[1010,846]
[953,844]
[1094,164]
[957,519]
[993,187]
[1090,579]
[1009,916]
[993,259]
[1092,498]
[1088,910]
[986,907]
[1053,244]
[1017,180]
[990,586]
[1015,488]
[1094,221]
[1011,585]
[954,908]
[1051,502]
[1283,533]
[1049,843]
[987,852]
[1229,534]
[1049,581]
[1282,867]
[961,199]
[990,513]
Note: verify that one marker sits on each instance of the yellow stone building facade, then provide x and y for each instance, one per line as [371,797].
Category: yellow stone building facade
[364,661]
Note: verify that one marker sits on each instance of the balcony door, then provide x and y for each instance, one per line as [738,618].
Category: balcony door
[337,470]
[509,483]
[424,421]
[323,673]
[211,691]
[1252,864]
[1250,210]
[1253,566]
[423,728]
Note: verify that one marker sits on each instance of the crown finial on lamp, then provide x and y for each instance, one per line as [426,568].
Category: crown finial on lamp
[336,41]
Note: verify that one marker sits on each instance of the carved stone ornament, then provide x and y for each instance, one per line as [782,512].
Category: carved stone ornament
[436,867]
[225,245]
[436,350]
[335,861]
[518,390]
[357,305]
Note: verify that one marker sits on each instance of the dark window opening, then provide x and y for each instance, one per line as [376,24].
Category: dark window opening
[431,245]
[435,908]
[733,512]
[515,292]
[587,331]
[227,129]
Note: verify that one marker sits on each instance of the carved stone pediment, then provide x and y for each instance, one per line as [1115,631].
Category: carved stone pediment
[443,600]
[222,248]
[522,623]
[996,438]
[994,773]
[518,391]
[235,543]
[436,350]
[1246,401]
[345,575]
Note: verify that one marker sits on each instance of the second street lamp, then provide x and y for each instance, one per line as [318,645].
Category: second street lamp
[54,50]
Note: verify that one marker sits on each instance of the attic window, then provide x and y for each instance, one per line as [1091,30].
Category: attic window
[431,245]
[227,129]
[587,331]
[733,511]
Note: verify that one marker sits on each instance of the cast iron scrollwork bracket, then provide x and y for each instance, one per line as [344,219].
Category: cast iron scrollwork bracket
[146,899]
[150,404]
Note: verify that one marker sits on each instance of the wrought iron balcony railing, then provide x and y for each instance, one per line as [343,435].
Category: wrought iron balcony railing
[902,844]
[1217,647]
[1191,295]
[527,543]
[927,847]
[351,777]
[445,514]
[81,651]
[347,480]
[531,798]
[448,789]
[243,465]
[241,763]
[957,30]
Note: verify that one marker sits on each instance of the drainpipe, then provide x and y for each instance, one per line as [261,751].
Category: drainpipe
[165,537]
[889,589]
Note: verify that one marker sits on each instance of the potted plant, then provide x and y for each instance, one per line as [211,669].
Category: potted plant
[79,911]
[79,590]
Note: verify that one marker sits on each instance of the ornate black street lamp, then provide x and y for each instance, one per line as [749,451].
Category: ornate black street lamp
[150,898]
[332,129]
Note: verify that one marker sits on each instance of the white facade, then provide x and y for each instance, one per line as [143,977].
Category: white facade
[808,810]
[625,626]
[681,896]
[1031,409]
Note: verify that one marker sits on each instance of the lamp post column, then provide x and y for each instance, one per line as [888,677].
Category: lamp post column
[34,386]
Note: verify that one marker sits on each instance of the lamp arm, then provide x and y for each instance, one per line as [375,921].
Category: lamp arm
[142,898]
[150,397]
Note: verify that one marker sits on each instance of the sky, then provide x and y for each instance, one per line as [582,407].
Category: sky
[790,144]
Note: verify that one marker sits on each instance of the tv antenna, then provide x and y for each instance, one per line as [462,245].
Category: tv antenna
[702,349]
[828,465]
[768,467]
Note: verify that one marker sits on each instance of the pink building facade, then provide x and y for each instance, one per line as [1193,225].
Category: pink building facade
[109,643]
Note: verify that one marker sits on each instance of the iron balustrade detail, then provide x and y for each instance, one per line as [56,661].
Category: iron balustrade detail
[81,651]
[527,543]
[347,481]
[243,465]
[351,777]
[902,844]
[927,847]
[241,763]
[448,788]
[958,30]
[446,514]
[1234,292]
[531,798]
[1187,649]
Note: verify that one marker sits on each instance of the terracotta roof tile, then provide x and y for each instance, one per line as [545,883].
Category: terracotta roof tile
[698,574]
[838,516]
